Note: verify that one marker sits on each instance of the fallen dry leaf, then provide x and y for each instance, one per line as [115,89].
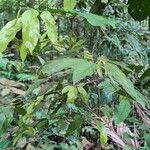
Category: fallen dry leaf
[141,114]
[5,92]
[86,144]
[121,129]
[10,83]
[111,132]
[17,91]
[116,138]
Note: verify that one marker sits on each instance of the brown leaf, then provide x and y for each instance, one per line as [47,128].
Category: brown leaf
[22,142]
[86,144]
[30,147]
[10,83]
[111,132]
[5,92]
[121,129]
[17,91]
[114,137]
[142,115]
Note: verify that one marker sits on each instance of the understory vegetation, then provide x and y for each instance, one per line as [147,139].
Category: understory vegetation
[74,75]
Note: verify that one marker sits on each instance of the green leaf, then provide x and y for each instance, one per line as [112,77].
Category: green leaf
[66,89]
[6,117]
[69,5]
[2,120]
[86,68]
[88,55]
[81,70]
[77,46]
[116,75]
[108,87]
[24,131]
[107,91]
[8,112]
[30,31]
[8,33]
[147,139]
[50,25]
[103,133]
[105,1]
[23,53]
[33,86]
[83,93]
[20,110]
[3,63]
[4,144]
[115,40]
[72,93]
[96,20]
[75,125]
[26,77]
[126,147]
[122,111]
[134,42]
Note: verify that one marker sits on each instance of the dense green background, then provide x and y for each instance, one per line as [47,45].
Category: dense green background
[74,74]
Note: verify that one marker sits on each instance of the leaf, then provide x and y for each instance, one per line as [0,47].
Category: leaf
[122,111]
[126,147]
[72,93]
[86,68]
[103,133]
[69,5]
[66,89]
[30,32]
[30,147]
[77,46]
[23,53]
[17,91]
[81,70]
[26,77]
[8,112]
[75,125]
[142,115]
[3,63]
[6,117]
[25,131]
[88,55]
[107,91]
[8,33]
[22,142]
[33,86]
[105,1]
[10,83]
[96,20]
[118,76]
[2,120]
[4,144]
[50,25]
[122,65]
[108,86]
[5,92]
[115,40]
[147,139]
[83,93]
[134,42]
[20,110]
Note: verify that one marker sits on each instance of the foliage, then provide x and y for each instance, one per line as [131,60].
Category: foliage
[72,78]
